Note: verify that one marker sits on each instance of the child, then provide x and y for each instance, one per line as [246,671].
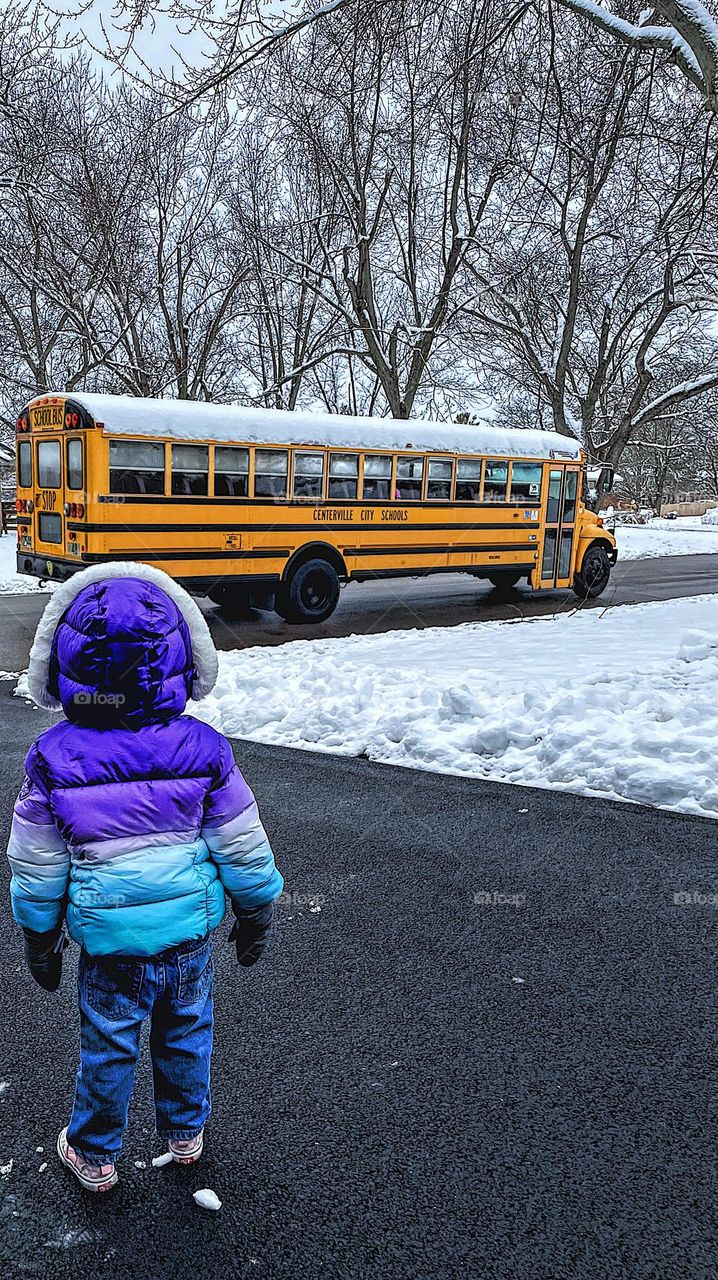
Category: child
[131,823]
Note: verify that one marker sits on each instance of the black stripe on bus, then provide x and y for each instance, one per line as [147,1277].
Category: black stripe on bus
[456,549]
[436,504]
[317,525]
[271,553]
[366,575]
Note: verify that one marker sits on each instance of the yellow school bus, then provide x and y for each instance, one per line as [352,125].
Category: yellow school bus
[274,509]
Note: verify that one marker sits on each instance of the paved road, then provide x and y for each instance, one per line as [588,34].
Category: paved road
[444,601]
[416,1084]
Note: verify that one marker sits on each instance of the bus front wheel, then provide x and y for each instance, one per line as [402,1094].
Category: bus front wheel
[310,595]
[593,577]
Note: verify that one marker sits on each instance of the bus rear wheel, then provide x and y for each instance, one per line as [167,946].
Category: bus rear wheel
[504,579]
[310,595]
[593,577]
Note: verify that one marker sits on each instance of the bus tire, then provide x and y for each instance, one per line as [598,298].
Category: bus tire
[310,594]
[592,579]
[504,579]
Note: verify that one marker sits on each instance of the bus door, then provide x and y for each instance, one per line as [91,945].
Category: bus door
[48,487]
[559,526]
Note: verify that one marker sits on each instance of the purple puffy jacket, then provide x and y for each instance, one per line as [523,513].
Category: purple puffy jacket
[133,818]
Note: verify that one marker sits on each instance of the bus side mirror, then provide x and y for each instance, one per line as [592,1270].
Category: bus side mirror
[607,478]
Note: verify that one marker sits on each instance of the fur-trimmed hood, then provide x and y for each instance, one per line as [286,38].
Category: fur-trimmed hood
[121,643]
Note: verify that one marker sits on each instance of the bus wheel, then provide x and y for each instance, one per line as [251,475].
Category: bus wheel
[310,595]
[504,579]
[594,574]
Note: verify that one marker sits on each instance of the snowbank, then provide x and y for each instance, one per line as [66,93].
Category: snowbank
[686,536]
[190,419]
[13,583]
[710,516]
[618,703]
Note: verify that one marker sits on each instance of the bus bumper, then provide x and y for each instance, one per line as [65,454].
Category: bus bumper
[48,567]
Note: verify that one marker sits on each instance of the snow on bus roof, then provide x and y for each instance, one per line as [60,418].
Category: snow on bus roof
[199,420]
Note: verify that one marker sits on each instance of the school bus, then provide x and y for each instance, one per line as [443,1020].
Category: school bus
[272,509]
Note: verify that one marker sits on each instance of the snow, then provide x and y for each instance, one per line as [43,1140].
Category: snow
[616,702]
[195,420]
[710,516]
[685,536]
[13,583]
[207,1199]
[165,1158]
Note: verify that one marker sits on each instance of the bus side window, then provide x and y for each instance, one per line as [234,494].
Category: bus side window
[377,477]
[190,469]
[270,473]
[468,480]
[231,472]
[409,478]
[496,476]
[136,466]
[526,482]
[438,484]
[343,475]
[308,475]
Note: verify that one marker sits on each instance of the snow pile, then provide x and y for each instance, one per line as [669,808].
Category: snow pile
[193,419]
[13,583]
[617,703]
[686,536]
[710,516]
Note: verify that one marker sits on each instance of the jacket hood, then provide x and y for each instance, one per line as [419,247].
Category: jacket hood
[123,644]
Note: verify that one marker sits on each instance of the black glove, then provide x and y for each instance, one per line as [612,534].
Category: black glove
[250,932]
[43,953]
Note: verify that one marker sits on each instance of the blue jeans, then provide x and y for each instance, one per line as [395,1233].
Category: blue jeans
[116,995]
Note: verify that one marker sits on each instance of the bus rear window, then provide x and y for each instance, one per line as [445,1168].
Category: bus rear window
[136,466]
[48,464]
[24,464]
[74,464]
[190,470]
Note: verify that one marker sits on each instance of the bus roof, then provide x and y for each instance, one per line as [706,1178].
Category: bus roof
[199,420]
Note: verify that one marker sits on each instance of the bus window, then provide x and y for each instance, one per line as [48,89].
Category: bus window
[190,469]
[525,482]
[569,498]
[136,466]
[409,476]
[377,477]
[270,473]
[24,464]
[343,475]
[468,480]
[496,475]
[438,484]
[48,464]
[74,464]
[554,497]
[308,475]
[231,472]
